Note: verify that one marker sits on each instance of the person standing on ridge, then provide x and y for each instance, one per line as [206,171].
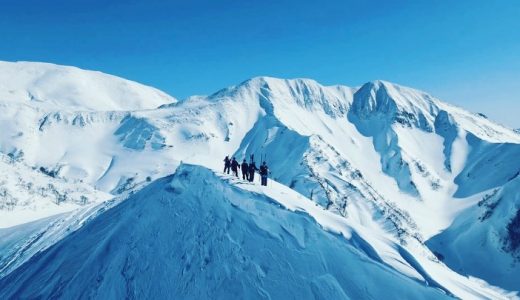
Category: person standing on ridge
[234,167]
[264,172]
[227,164]
[252,169]
[245,170]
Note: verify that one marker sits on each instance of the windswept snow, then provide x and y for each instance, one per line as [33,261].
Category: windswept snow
[484,233]
[396,165]
[52,87]
[191,235]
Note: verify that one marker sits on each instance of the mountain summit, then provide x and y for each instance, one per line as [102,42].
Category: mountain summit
[54,87]
[426,188]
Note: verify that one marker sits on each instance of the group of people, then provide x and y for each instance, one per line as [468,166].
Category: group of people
[248,169]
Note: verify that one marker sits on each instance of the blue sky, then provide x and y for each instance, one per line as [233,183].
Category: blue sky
[464,52]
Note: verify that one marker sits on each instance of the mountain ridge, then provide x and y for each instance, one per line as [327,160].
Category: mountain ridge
[223,259]
[52,87]
[391,158]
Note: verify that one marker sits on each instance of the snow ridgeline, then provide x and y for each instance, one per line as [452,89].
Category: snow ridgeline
[53,87]
[388,158]
[193,235]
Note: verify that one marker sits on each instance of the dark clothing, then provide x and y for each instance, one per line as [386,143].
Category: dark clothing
[264,172]
[234,167]
[227,164]
[264,180]
[245,170]
[252,169]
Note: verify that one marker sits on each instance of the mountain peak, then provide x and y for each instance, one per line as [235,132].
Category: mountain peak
[395,102]
[286,94]
[401,94]
[55,87]
[204,232]
[273,81]
[392,166]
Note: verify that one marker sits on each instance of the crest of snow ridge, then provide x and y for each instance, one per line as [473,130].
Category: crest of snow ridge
[53,87]
[284,93]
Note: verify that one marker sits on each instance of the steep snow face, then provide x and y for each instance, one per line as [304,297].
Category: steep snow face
[378,104]
[383,111]
[446,127]
[476,176]
[489,231]
[200,237]
[21,242]
[286,95]
[383,156]
[435,153]
[377,108]
[53,87]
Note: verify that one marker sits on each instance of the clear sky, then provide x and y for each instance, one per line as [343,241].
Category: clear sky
[464,52]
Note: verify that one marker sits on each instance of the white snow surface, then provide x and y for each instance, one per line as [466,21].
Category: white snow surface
[403,169]
[27,194]
[204,236]
[54,87]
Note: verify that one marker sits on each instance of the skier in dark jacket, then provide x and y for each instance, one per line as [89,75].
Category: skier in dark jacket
[227,164]
[245,170]
[235,166]
[264,172]
[252,169]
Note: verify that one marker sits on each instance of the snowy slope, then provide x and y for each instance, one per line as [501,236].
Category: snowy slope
[53,87]
[488,231]
[21,242]
[194,236]
[388,158]
[63,118]
[27,194]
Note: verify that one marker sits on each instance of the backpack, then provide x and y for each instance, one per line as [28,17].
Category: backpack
[263,170]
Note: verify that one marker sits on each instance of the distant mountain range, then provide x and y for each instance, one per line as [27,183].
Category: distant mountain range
[380,183]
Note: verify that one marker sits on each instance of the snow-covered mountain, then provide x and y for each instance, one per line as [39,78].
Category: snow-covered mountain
[27,194]
[52,87]
[410,173]
[247,243]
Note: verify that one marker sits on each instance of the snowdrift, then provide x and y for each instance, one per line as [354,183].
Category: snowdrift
[393,162]
[192,235]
